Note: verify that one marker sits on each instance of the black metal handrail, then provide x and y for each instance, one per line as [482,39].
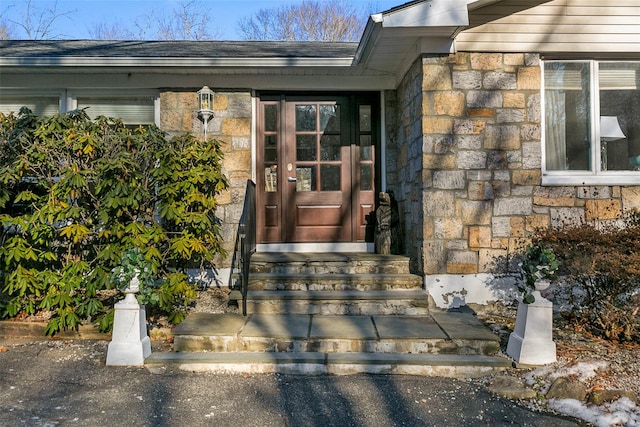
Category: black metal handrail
[245,242]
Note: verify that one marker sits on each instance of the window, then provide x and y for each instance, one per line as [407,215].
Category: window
[133,109]
[591,123]
[42,104]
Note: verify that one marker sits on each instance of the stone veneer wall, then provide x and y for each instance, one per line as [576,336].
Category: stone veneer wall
[464,158]
[231,125]
[404,171]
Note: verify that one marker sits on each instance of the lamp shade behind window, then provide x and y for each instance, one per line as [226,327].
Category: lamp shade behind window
[610,128]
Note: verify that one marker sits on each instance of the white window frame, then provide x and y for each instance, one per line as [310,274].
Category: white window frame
[73,95]
[596,176]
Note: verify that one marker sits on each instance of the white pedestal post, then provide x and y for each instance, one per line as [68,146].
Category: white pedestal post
[531,341]
[130,344]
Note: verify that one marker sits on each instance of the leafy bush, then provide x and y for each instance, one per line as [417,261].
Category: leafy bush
[601,265]
[538,263]
[75,194]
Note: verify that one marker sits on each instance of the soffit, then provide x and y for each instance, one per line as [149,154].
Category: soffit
[393,39]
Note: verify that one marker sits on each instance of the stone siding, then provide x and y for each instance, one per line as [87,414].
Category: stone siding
[231,125]
[464,159]
[403,116]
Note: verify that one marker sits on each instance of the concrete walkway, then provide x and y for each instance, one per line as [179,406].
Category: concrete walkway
[438,325]
[441,343]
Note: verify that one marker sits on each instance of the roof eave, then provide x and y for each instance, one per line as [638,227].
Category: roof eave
[429,22]
[46,61]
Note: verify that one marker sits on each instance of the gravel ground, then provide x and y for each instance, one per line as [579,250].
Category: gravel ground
[596,363]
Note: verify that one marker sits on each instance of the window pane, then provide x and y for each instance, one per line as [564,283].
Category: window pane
[366,177]
[330,118]
[270,118]
[270,148]
[365,118]
[41,106]
[271,179]
[306,148]
[365,147]
[619,116]
[305,118]
[330,147]
[131,110]
[567,116]
[330,178]
[306,178]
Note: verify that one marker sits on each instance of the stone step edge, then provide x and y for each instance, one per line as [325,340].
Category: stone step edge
[330,363]
[394,295]
[346,277]
[326,257]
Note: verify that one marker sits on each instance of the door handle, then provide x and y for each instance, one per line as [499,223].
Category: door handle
[292,179]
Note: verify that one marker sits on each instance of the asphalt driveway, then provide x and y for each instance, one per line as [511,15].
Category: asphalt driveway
[66,383]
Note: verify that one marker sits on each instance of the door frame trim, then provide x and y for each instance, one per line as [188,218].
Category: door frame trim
[256,97]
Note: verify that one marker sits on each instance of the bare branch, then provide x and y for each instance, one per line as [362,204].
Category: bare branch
[38,23]
[188,21]
[330,20]
[6,28]
[114,31]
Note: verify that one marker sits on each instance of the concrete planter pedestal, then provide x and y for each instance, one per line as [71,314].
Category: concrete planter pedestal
[130,344]
[531,341]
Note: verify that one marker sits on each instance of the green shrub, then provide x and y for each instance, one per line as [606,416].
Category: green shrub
[601,266]
[75,194]
[538,263]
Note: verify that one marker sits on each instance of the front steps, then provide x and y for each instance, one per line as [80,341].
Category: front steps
[455,366]
[334,313]
[334,284]
[440,333]
[444,344]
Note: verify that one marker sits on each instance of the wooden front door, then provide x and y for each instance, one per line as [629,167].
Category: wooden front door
[316,180]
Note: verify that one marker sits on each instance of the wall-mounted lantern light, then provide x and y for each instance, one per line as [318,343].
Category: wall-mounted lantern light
[205,107]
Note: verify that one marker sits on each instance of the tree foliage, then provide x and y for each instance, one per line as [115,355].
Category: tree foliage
[75,194]
[329,21]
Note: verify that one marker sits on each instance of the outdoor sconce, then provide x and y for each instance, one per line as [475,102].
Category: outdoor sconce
[205,107]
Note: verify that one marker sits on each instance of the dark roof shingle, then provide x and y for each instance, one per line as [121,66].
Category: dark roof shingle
[175,49]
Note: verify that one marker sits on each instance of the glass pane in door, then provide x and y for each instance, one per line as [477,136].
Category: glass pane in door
[330,178]
[305,178]
[305,118]
[271,148]
[270,118]
[271,179]
[330,118]
[364,118]
[306,148]
[365,147]
[330,148]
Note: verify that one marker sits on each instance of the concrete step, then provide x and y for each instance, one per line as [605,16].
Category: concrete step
[328,263]
[318,363]
[407,302]
[333,282]
[437,333]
